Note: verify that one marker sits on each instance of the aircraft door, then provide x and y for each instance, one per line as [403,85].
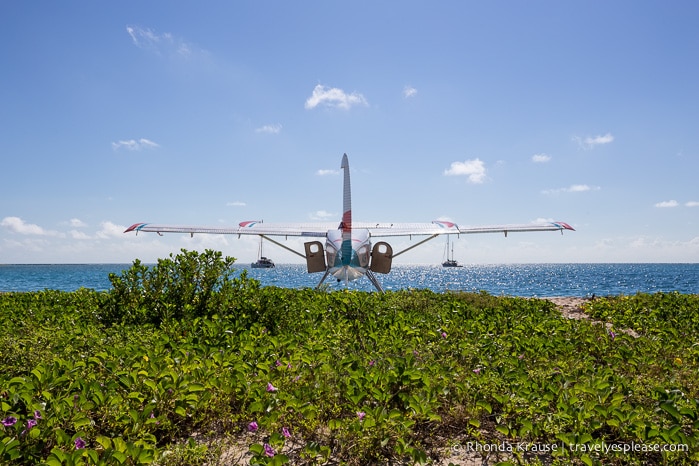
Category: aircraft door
[381,257]
[315,257]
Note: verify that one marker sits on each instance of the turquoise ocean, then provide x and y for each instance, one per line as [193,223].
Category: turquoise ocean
[527,280]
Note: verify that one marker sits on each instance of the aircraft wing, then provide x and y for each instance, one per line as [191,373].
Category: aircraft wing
[244,228]
[547,226]
[376,229]
[449,228]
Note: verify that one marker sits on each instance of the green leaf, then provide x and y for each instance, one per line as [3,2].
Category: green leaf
[81,421]
[58,456]
[485,405]
[94,456]
[256,449]
[334,424]
[150,384]
[669,407]
[278,460]
[196,387]
[106,442]
[503,429]
[120,456]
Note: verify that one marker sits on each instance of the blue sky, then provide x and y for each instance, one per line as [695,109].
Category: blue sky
[213,113]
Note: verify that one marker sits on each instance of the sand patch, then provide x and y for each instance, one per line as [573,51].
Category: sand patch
[573,308]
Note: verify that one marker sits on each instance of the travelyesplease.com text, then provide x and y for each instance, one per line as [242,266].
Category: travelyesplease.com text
[602,447]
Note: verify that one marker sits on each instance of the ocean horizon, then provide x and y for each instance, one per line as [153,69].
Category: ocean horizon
[524,280]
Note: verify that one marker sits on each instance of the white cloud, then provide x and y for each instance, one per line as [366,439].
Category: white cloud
[574,188]
[111,230]
[133,144]
[77,223]
[541,158]
[269,129]
[236,204]
[334,98]
[409,91]
[473,169]
[579,188]
[591,142]
[18,225]
[321,215]
[667,204]
[161,43]
[326,172]
[79,235]
[692,204]
[142,37]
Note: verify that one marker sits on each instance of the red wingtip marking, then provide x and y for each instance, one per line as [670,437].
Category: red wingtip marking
[566,226]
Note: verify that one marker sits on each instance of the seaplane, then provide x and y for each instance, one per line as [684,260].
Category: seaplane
[348,253]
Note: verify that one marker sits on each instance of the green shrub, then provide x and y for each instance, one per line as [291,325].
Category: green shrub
[343,377]
[187,285]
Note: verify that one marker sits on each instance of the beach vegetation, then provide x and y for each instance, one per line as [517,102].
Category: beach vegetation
[186,363]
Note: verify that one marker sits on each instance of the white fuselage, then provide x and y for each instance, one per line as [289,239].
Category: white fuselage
[348,259]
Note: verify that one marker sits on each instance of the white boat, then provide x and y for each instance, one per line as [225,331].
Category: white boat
[262,261]
[450,262]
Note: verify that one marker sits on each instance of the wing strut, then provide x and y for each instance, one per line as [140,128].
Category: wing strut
[325,275]
[374,281]
[282,246]
[416,245]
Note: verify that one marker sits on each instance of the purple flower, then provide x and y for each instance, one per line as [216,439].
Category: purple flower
[360,415]
[285,432]
[612,335]
[270,387]
[278,363]
[30,423]
[371,363]
[252,427]
[477,370]
[37,414]
[269,451]
[444,334]
[9,421]
[79,443]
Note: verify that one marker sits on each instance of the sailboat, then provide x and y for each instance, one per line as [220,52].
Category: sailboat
[450,262]
[262,261]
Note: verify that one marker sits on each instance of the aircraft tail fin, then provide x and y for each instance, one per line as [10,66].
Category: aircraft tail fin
[346,224]
[346,197]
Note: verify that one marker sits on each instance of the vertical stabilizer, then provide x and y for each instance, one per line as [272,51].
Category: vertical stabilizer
[346,224]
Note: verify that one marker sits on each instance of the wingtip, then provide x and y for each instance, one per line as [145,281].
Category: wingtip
[133,227]
[565,226]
